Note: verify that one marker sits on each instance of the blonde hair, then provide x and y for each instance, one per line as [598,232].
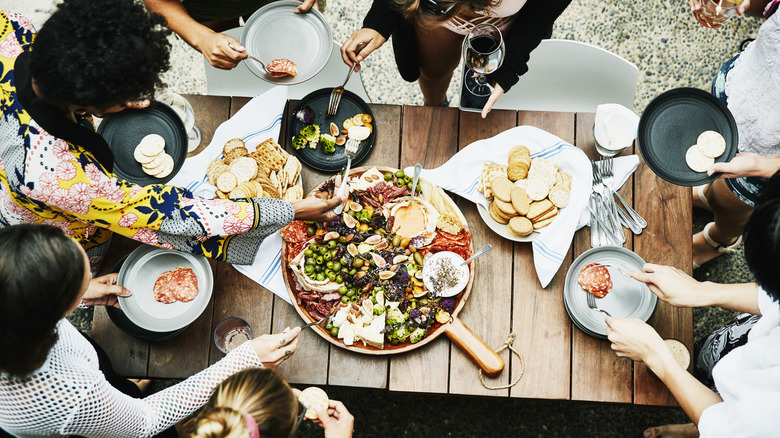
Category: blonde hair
[259,392]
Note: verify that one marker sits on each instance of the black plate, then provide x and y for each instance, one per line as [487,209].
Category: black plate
[350,105]
[671,124]
[125,129]
[123,322]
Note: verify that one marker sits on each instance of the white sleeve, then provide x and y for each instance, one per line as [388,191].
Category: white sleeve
[746,418]
[104,411]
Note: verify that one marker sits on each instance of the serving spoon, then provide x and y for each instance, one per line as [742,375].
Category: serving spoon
[417,170]
[485,249]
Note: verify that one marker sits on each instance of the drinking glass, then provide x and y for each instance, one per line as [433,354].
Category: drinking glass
[231,332]
[715,13]
[483,50]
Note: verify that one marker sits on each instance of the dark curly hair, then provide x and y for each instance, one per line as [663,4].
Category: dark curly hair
[100,53]
[762,239]
[41,274]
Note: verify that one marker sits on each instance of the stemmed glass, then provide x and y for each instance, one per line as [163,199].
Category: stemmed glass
[483,49]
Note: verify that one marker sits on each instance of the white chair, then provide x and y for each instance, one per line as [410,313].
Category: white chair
[240,81]
[566,75]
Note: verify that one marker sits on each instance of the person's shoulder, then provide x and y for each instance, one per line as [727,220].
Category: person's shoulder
[12,22]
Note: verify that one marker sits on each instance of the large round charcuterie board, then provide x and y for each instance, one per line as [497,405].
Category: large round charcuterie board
[380,297]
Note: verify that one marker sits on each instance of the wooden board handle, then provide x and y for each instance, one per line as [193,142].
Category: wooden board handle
[478,351]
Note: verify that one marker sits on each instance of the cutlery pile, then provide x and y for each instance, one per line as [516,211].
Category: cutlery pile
[607,217]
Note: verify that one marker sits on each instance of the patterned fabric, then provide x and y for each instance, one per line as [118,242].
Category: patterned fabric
[48,179]
[69,395]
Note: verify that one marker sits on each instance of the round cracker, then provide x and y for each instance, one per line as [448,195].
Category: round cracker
[140,157]
[559,195]
[152,144]
[496,214]
[505,207]
[501,187]
[315,399]
[520,226]
[520,200]
[697,161]
[244,168]
[227,182]
[517,170]
[536,189]
[155,163]
[711,144]
[166,167]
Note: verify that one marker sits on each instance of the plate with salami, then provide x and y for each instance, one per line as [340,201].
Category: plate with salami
[170,288]
[618,294]
[363,271]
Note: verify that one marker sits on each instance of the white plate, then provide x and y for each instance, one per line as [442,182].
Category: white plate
[139,273]
[500,229]
[275,31]
[628,298]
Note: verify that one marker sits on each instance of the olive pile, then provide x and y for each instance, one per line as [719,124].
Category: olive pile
[400,179]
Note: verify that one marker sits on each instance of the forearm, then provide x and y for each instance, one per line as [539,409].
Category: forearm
[693,396]
[381,17]
[741,297]
[180,21]
[768,166]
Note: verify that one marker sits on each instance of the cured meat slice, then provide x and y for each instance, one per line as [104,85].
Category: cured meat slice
[595,280]
[281,67]
[294,232]
[181,284]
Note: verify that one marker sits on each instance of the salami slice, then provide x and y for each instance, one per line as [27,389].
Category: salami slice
[281,67]
[295,232]
[595,280]
[181,284]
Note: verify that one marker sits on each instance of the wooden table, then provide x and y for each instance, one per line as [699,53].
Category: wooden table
[561,362]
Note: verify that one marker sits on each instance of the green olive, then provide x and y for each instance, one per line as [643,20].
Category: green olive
[308,253]
[327,256]
[332,244]
[329,326]
[314,247]
[319,260]
[318,268]
[388,176]
[311,261]
[409,185]
[308,269]
[344,299]
[329,265]
[400,183]
[334,331]
[323,249]
[352,271]
[351,293]
[339,279]
[343,290]
[336,266]
[342,239]
[331,276]
[400,174]
[396,240]
[311,230]
[357,263]
[418,258]
[321,276]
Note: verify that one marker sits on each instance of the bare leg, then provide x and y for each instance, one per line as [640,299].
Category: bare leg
[697,201]
[673,431]
[730,217]
[439,50]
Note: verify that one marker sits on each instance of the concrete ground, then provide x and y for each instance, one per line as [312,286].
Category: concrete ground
[671,50]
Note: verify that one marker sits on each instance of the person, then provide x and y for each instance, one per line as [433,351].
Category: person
[428,35]
[54,167]
[257,402]
[54,381]
[748,85]
[747,378]
[200,23]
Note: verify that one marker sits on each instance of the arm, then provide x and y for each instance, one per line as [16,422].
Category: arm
[638,341]
[213,45]
[747,164]
[673,286]
[378,25]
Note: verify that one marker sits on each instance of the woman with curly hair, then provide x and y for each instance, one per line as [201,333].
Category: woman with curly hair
[257,402]
[95,58]
[54,381]
[428,34]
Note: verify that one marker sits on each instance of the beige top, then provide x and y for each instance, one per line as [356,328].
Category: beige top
[501,16]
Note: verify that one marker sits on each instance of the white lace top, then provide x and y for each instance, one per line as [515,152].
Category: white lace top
[753,90]
[69,395]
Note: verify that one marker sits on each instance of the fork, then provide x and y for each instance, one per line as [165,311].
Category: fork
[350,150]
[616,238]
[262,64]
[635,219]
[610,216]
[335,95]
[592,304]
[311,324]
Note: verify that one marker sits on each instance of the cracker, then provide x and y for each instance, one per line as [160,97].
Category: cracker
[697,161]
[152,145]
[156,162]
[227,182]
[501,187]
[520,226]
[560,195]
[544,170]
[505,207]
[496,214]
[270,190]
[517,170]
[140,157]
[293,193]
[449,224]
[231,144]
[221,194]
[550,214]
[316,399]
[544,223]
[292,168]
[215,169]
[520,200]
[519,153]
[539,208]
[711,144]
[238,193]
[271,154]
[563,178]
[244,168]
[235,153]
[166,167]
[537,188]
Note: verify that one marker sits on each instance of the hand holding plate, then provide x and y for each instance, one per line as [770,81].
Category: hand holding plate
[103,291]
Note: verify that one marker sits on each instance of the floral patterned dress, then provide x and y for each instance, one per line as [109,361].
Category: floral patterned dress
[50,173]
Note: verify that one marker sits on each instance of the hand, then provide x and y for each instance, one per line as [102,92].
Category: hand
[497,92]
[336,420]
[634,339]
[742,7]
[672,285]
[103,291]
[316,209]
[743,164]
[372,40]
[216,48]
[274,349]
[306,5]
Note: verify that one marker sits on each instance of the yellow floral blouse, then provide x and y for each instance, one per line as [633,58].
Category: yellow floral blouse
[51,180]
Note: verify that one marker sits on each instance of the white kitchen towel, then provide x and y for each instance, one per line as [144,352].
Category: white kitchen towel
[259,120]
[460,175]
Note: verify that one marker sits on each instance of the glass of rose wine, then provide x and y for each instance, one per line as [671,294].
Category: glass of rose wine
[715,13]
[483,50]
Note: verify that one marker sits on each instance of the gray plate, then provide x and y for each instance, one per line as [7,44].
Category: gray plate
[628,298]
[276,31]
[140,272]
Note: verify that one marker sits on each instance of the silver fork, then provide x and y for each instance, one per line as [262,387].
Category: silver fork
[350,150]
[635,220]
[335,95]
[613,226]
[592,304]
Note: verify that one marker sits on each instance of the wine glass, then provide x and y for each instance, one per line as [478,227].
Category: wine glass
[715,13]
[483,49]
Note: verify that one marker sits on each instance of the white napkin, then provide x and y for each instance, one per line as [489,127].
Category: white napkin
[460,175]
[259,120]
